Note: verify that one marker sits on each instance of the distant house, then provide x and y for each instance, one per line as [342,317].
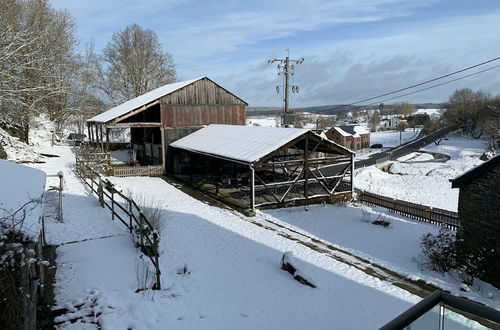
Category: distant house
[353,137]
[479,214]
[391,122]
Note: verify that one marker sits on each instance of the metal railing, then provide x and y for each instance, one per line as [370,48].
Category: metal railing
[441,310]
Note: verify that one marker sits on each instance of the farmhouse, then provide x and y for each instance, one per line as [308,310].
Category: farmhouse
[166,114]
[353,137]
[263,166]
[479,214]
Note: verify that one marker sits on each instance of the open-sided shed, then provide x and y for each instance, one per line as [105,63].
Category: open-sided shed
[263,166]
[166,114]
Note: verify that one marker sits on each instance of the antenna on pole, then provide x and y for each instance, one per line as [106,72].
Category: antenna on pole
[286,70]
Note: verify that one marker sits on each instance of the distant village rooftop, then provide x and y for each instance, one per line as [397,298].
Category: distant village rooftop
[351,130]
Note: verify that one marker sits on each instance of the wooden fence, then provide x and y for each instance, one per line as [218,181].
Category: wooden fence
[419,212]
[124,171]
[127,211]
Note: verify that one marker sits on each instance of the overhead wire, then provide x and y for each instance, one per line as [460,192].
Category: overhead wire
[425,82]
[437,85]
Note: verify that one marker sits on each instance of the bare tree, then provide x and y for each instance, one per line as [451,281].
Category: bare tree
[375,120]
[36,51]
[405,108]
[469,110]
[86,101]
[135,64]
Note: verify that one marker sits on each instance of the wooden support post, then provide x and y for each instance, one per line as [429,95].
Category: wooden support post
[107,139]
[88,132]
[252,189]
[102,137]
[352,175]
[91,129]
[306,169]
[163,153]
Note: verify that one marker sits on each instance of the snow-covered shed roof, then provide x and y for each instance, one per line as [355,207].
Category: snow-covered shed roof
[246,144]
[24,184]
[475,172]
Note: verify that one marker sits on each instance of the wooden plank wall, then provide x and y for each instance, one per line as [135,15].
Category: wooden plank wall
[202,91]
[194,115]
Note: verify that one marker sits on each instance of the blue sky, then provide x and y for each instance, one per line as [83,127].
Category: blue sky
[353,49]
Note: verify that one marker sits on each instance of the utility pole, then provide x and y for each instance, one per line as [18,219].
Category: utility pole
[286,67]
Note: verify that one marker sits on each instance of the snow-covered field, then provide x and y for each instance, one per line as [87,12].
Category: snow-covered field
[391,138]
[264,121]
[412,179]
[430,112]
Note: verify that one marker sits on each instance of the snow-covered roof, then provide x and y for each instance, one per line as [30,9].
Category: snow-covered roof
[24,184]
[351,130]
[141,100]
[246,144]
[475,172]
[341,131]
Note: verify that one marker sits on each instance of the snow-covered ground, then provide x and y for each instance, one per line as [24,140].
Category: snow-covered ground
[221,270]
[264,121]
[391,138]
[233,274]
[412,178]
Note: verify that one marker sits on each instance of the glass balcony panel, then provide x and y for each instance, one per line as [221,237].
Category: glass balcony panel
[455,321]
[428,321]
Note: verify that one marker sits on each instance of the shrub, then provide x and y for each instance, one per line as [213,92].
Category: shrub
[439,250]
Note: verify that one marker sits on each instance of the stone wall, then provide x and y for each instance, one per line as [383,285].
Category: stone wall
[479,212]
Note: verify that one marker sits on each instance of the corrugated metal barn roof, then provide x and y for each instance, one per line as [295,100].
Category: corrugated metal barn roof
[245,144]
[139,101]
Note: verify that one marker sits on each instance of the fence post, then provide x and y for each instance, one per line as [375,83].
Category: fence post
[61,186]
[100,190]
[130,215]
[112,205]
[156,250]
[141,230]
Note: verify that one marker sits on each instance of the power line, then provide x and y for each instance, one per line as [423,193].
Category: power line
[437,85]
[426,82]
[287,70]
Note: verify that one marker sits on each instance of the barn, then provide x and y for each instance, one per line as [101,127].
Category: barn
[260,167]
[163,115]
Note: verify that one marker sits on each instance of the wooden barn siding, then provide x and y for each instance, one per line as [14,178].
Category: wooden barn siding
[201,92]
[192,115]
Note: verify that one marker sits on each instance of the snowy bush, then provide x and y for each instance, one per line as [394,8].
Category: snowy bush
[17,261]
[153,210]
[438,251]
